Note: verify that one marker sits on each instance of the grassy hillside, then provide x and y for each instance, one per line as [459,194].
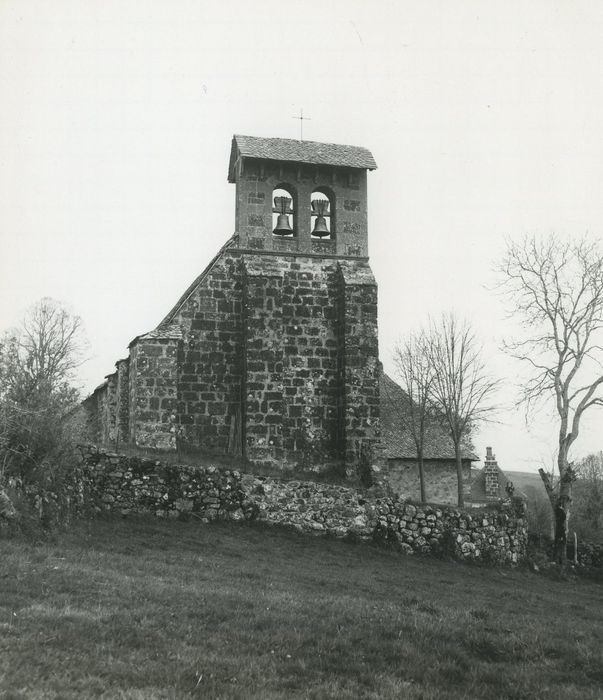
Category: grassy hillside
[528,482]
[151,609]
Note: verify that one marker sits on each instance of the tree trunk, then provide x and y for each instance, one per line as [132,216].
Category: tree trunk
[561,530]
[422,477]
[562,515]
[459,475]
[560,503]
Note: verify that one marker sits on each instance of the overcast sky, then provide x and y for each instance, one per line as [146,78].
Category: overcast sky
[116,120]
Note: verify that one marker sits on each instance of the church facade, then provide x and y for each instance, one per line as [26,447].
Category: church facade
[271,354]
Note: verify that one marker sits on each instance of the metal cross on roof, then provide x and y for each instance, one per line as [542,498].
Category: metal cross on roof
[302,119]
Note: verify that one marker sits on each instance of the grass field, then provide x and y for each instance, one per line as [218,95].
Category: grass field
[152,609]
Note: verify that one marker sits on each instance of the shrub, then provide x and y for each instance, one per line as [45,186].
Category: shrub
[40,424]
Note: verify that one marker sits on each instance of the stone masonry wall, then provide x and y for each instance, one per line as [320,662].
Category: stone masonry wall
[271,357]
[291,352]
[310,378]
[153,392]
[116,483]
[311,361]
[359,361]
[255,186]
[211,360]
[123,400]
[491,484]
[441,484]
[102,410]
[263,361]
[110,409]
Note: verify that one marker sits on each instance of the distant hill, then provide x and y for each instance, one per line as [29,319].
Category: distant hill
[528,482]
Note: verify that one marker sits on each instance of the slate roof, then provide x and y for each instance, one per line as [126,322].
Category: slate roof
[310,152]
[398,440]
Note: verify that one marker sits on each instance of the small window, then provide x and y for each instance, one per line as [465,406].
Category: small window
[322,215]
[283,213]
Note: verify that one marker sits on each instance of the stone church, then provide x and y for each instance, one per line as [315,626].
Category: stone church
[271,354]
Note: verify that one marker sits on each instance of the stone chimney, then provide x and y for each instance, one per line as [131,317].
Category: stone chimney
[491,473]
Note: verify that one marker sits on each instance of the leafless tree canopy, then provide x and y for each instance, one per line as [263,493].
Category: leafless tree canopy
[416,377]
[45,350]
[555,290]
[463,388]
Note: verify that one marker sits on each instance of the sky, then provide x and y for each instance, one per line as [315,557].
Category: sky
[116,121]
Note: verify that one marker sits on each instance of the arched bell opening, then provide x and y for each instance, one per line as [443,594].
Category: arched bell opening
[283,212]
[322,214]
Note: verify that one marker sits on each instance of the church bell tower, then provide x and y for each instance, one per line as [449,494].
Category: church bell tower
[310,300]
[300,196]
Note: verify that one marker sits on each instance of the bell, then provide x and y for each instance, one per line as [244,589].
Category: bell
[282,205]
[320,207]
[282,227]
[320,227]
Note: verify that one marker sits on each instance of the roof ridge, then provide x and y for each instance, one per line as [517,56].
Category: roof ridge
[318,153]
[299,141]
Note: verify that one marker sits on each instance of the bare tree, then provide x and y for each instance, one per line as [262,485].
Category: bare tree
[416,378]
[556,291]
[462,389]
[46,349]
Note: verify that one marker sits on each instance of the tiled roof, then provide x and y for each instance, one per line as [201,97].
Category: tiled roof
[311,152]
[398,439]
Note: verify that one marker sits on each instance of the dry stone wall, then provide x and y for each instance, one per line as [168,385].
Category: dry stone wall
[498,537]
[118,483]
